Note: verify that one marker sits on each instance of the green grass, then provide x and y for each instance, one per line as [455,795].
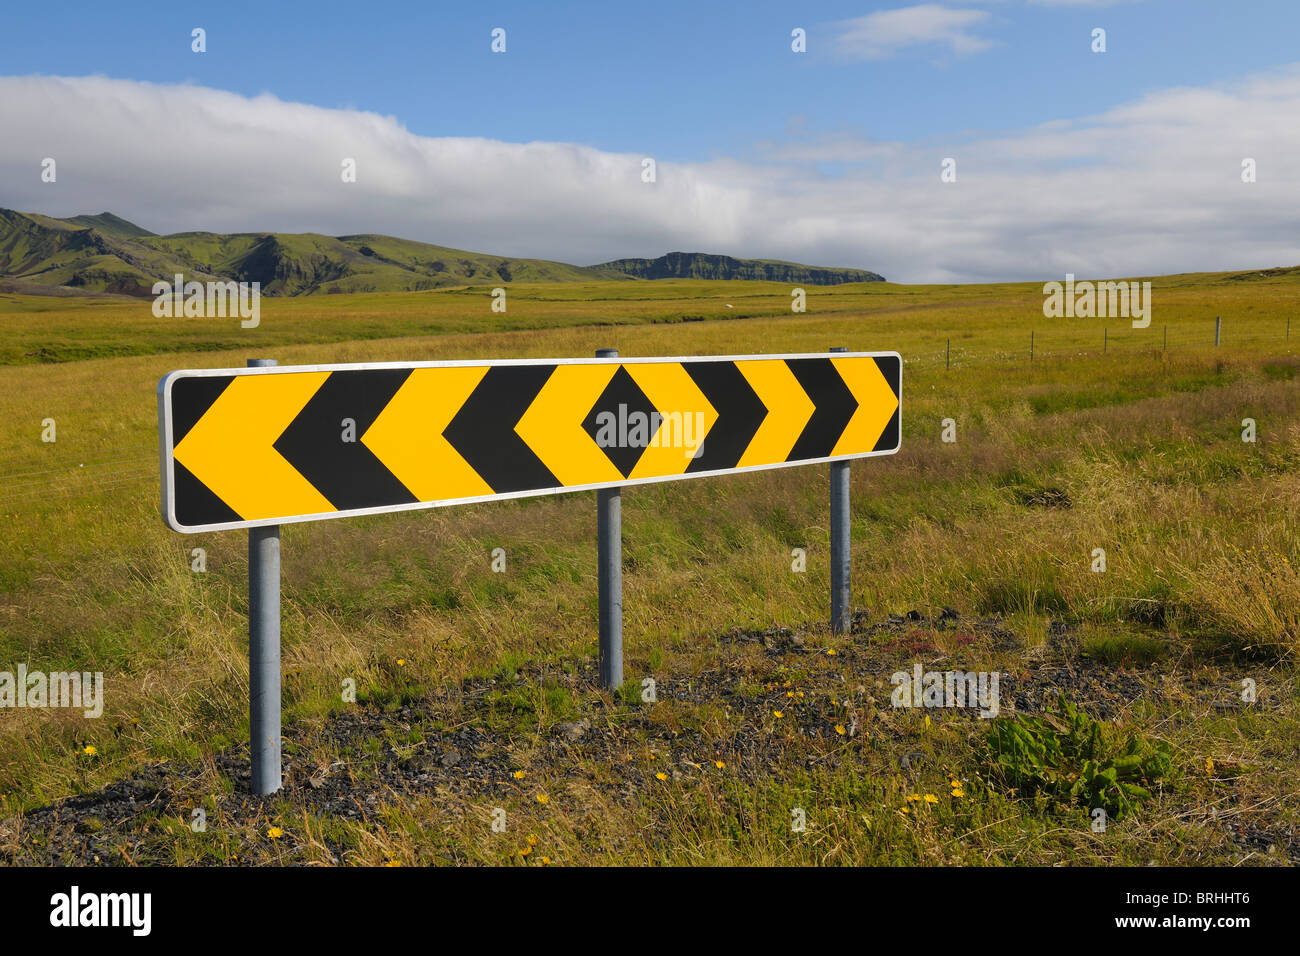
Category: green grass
[1136,451]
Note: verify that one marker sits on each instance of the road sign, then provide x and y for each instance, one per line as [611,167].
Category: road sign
[251,447]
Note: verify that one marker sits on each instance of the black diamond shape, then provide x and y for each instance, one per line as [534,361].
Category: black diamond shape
[621,391]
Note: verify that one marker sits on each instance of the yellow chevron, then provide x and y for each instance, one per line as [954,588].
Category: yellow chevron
[552,425]
[230,450]
[407,435]
[672,393]
[788,411]
[876,404]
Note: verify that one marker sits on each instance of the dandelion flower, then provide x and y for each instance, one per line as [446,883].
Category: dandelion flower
[543,799]
[913,797]
[524,851]
[661,775]
[931,798]
[532,839]
[1209,765]
[719,764]
[275,833]
[90,750]
[839,729]
[777,714]
[518,775]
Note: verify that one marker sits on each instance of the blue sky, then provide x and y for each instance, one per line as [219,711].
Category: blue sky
[684,81]
[1123,163]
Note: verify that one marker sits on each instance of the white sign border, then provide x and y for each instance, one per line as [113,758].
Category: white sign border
[166,449]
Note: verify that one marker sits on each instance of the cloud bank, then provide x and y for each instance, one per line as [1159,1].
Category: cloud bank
[1152,186]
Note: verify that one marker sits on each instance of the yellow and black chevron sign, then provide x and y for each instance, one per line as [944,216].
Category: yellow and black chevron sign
[259,446]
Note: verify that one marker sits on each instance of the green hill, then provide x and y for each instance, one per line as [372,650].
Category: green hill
[105,253]
[110,225]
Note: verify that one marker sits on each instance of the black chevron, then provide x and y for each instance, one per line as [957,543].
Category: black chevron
[834,403]
[191,398]
[345,472]
[483,431]
[892,368]
[739,409]
[195,503]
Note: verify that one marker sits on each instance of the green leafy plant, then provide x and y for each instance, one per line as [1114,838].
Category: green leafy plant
[1068,755]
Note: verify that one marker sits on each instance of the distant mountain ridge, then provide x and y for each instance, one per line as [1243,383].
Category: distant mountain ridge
[701,265]
[106,253]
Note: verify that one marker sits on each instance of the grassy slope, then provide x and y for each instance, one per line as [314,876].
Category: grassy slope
[108,253]
[1144,446]
[109,225]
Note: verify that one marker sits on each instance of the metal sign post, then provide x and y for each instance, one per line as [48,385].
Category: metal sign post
[264,649]
[841,557]
[609,547]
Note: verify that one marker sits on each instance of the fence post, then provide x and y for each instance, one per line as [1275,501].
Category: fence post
[1218,322]
[264,650]
[609,526]
[1105,340]
[841,555]
[947,361]
[1165,346]
[1031,345]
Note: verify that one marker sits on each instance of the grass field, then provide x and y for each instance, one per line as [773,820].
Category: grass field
[477,689]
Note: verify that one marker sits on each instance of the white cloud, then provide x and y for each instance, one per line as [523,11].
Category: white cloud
[885,32]
[1152,186]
